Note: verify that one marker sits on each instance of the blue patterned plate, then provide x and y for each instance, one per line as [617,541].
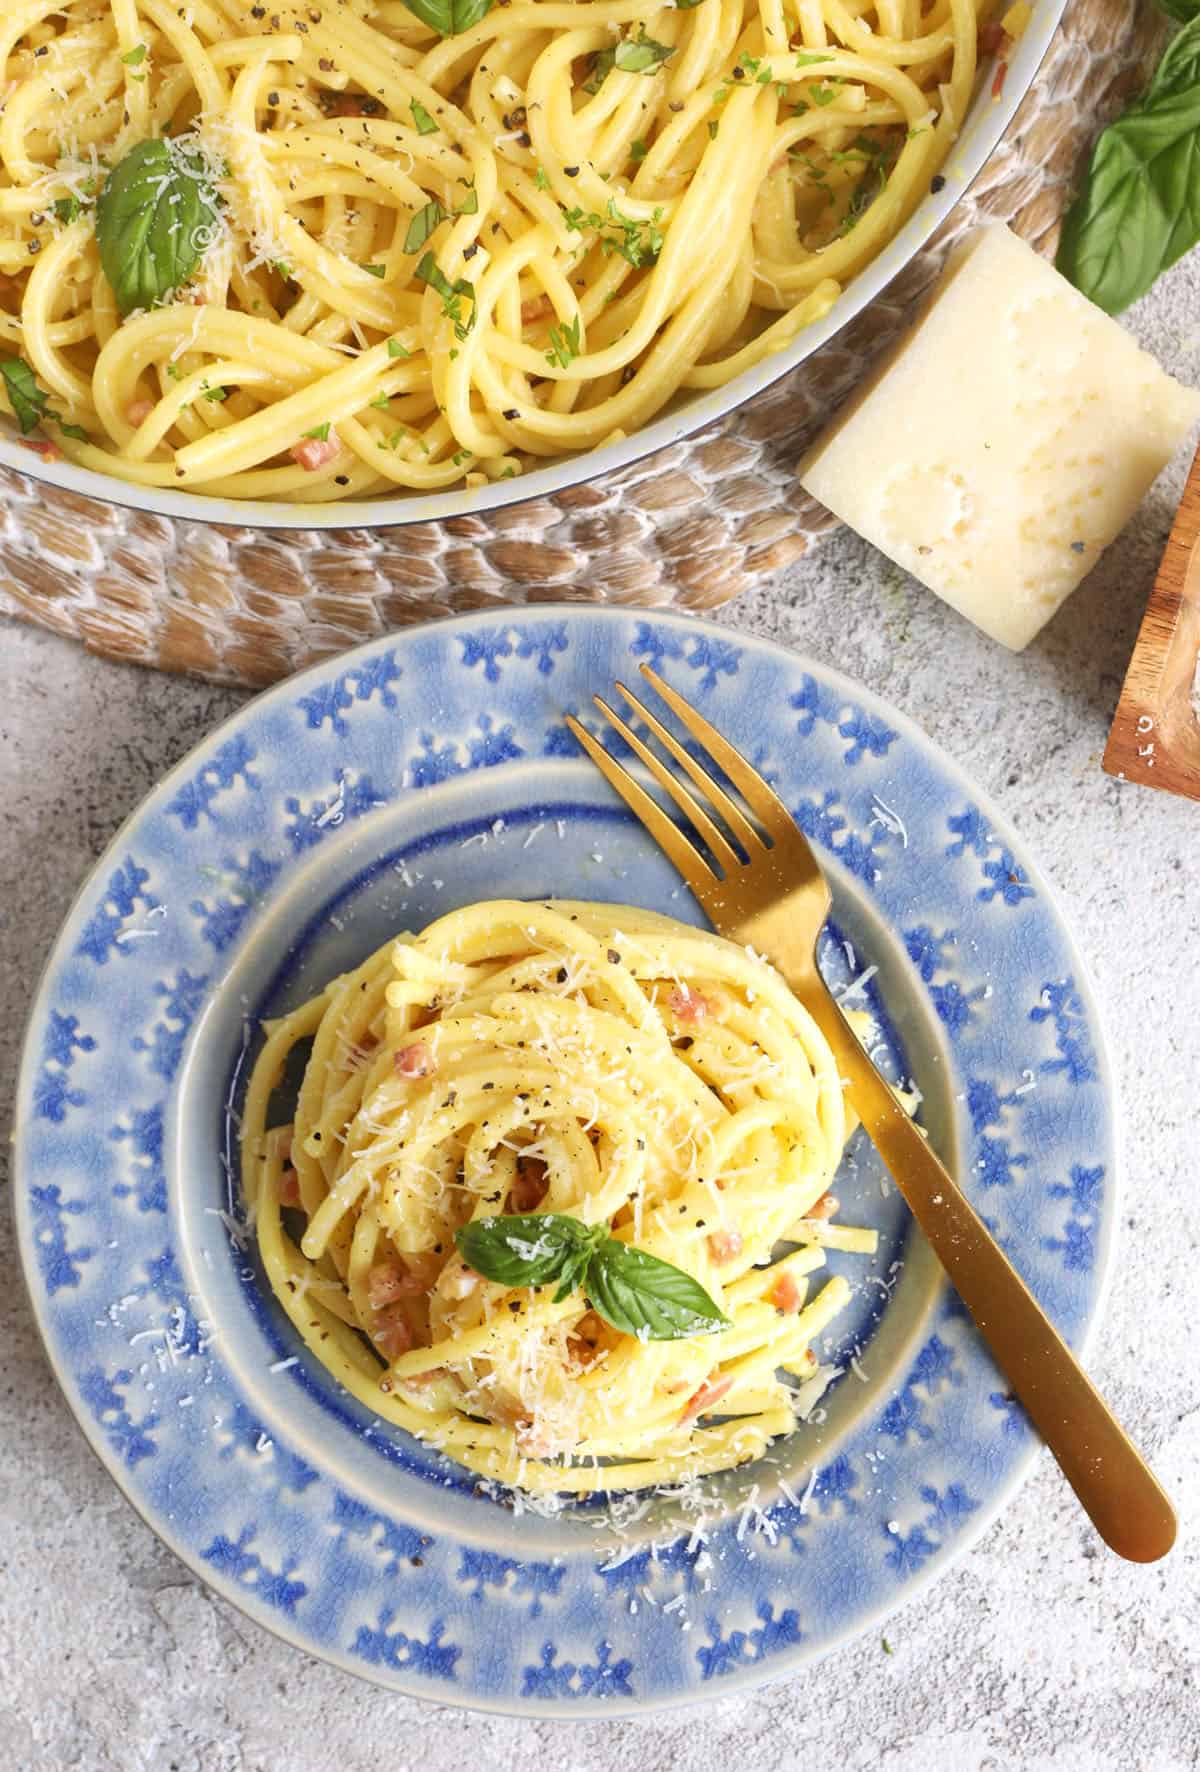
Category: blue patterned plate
[419,773]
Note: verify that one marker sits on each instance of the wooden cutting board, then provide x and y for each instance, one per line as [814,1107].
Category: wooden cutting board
[1155,736]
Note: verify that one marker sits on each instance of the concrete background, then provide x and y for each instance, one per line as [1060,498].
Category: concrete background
[1040,1652]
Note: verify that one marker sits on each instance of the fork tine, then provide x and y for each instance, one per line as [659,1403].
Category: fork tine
[687,803]
[729,810]
[685,855]
[758,794]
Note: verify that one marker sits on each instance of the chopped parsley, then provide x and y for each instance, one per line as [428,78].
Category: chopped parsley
[638,150]
[429,272]
[396,349]
[135,57]
[375,270]
[565,344]
[750,65]
[639,243]
[319,433]
[878,163]
[424,122]
[69,208]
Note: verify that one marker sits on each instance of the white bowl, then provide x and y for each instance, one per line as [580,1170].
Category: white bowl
[986,123]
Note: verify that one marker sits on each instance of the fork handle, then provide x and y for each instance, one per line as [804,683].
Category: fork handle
[1127,1505]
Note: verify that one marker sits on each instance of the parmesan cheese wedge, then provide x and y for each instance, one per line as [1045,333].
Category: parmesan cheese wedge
[1006,440]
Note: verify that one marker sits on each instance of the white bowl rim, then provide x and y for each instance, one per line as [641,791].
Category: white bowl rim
[986,123]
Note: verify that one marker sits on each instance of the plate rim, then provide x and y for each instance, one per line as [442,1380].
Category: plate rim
[738,1680]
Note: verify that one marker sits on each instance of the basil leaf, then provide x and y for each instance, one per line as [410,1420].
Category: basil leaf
[641,54]
[424,122]
[528,1249]
[28,401]
[633,55]
[565,343]
[1179,67]
[602,65]
[1139,209]
[574,1273]
[449,17]
[155,218]
[422,225]
[643,1296]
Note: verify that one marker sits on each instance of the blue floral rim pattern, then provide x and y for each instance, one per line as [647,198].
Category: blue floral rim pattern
[364,1550]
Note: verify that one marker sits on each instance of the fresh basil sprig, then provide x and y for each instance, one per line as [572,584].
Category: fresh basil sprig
[155,219]
[1139,209]
[635,1292]
[449,18]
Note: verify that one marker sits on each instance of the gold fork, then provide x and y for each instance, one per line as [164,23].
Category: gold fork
[775,898]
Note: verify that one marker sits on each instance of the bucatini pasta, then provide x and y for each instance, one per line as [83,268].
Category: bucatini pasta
[554,1195]
[320,251]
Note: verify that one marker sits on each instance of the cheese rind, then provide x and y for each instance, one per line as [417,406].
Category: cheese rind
[1005,442]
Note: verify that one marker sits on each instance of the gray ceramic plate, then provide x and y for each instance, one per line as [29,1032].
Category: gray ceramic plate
[430,770]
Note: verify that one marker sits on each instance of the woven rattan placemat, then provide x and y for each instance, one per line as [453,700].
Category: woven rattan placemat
[691,527]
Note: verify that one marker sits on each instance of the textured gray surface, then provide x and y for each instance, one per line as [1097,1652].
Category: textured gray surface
[1039,1652]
